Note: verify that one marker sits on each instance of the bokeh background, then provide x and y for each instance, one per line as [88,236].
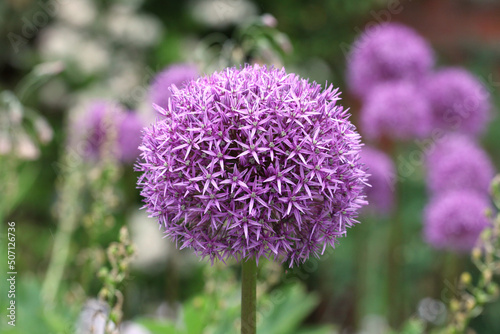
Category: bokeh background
[58,56]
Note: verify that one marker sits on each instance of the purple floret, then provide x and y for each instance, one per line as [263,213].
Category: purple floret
[387,52]
[457,162]
[382,180]
[396,110]
[253,162]
[458,100]
[455,220]
[178,75]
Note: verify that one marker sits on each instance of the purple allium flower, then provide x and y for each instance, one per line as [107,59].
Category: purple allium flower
[129,136]
[455,220]
[458,101]
[253,162]
[176,74]
[457,162]
[397,110]
[382,179]
[104,121]
[388,52]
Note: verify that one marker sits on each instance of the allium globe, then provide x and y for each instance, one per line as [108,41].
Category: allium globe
[455,220]
[382,180]
[457,162]
[176,74]
[387,52]
[103,121]
[253,162]
[397,110]
[458,100]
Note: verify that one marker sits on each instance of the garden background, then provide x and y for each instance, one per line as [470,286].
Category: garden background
[57,56]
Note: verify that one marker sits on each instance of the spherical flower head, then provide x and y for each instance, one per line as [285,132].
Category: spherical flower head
[455,220]
[457,162]
[105,121]
[253,162]
[397,110]
[176,74]
[387,52]
[382,173]
[459,101]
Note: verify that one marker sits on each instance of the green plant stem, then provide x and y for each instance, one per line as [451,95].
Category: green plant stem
[60,251]
[249,297]
[394,290]
[68,214]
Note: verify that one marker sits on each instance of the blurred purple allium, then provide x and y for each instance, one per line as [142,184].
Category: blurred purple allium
[458,101]
[397,110]
[382,180]
[253,162]
[103,121]
[387,52]
[129,136]
[457,162]
[455,220]
[176,74]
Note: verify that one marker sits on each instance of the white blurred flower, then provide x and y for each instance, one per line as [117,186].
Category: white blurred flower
[152,250]
[269,20]
[43,130]
[5,143]
[133,328]
[25,148]
[93,317]
[58,41]
[432,310]
[92,56]
[125,77]
[222,13]
[79,13]
[49,68]
[129,27]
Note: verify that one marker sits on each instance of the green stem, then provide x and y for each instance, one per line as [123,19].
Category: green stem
[60,252]
[394,290]
[68,212]
[249,297]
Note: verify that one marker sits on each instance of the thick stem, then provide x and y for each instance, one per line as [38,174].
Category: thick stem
[249,297]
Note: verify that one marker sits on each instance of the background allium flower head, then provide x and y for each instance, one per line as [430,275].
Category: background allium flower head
[382,179]
[253,162]
[129,136]
[457,162]
[458,100]
[176,74]
[455,220]
[102,121]
[387,52]
[397,110]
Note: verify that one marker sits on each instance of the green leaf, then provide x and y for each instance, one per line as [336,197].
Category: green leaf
[159,326]
[285,309]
